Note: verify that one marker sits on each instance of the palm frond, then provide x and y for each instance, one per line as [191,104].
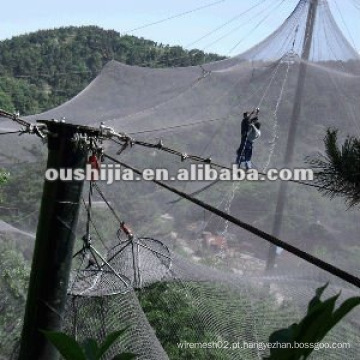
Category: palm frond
[338,171]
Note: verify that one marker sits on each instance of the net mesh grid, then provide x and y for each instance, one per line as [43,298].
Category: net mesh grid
[231,297]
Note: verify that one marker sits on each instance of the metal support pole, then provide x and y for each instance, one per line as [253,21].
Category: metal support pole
[289,152]
[55,237]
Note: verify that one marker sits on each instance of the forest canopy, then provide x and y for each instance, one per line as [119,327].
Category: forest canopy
[41,70]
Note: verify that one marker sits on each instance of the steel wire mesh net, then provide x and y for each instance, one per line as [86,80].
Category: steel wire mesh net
[188,276]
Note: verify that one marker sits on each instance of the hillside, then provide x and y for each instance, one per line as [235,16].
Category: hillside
[41,70]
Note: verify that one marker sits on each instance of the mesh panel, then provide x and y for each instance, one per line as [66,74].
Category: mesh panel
[208,275]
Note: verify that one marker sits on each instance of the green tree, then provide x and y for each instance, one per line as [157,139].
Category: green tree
[6,101]
[23,192]
[3,176]
[14,277]
[3,179]
[46,68]
[176,312]
[338,170]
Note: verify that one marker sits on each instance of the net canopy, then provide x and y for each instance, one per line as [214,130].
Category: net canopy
[206,276]
[328,44]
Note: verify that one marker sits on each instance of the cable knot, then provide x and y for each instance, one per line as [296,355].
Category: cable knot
[129,141]
[87,241]
[15,116]
[128,232]
[205,73]
[106,131]
[184,157]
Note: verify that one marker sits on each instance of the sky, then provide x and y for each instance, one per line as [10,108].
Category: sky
[241,33]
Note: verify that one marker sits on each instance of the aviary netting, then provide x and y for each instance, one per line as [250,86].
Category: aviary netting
[206,274]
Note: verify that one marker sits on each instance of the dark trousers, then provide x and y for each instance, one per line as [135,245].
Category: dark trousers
[248,151]
[240,151]
[245,155]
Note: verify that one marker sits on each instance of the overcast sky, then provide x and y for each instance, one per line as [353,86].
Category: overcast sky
[19,17]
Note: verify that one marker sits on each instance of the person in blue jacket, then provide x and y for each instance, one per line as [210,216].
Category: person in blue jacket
[246,122]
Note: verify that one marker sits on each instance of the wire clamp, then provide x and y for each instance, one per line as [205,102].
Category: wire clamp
[184,157]
[16,116]
[205,73]
[106,131]
[87,241]
[128,232]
